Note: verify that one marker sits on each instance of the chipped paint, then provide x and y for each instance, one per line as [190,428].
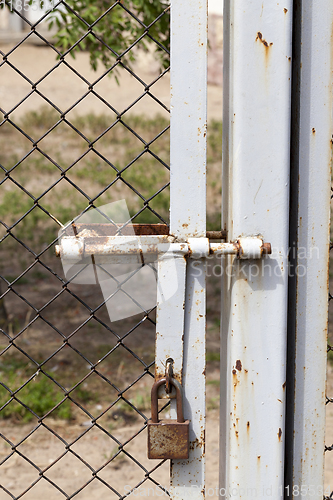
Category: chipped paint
[144,249]
[310,230]
[280,433]
[256,126]
[262,40]
[188,220]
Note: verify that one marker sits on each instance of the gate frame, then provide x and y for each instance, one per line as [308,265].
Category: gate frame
[243,453]
[188,126]
[255,198]
[311,157]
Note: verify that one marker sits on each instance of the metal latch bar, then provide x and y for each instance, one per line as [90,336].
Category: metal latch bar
[131,248]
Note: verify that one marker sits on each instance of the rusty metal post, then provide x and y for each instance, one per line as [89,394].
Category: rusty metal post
[188,219]
[256,149]
[309,239]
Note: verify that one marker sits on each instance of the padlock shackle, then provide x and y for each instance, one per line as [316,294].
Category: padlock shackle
[154,399]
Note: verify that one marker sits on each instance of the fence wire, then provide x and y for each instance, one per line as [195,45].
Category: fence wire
[74,387]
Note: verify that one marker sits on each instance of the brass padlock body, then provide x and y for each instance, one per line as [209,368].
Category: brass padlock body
[168,439]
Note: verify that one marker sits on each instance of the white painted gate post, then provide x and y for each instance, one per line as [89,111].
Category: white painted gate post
[256,150]
[312,131]
[188,219]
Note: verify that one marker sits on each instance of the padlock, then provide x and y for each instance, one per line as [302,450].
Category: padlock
[168,439]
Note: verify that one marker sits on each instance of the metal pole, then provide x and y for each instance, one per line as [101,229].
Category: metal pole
[309,238]
[256,151]
[188,219]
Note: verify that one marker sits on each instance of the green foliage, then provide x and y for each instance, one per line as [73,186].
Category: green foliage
[107,30]
[117,30]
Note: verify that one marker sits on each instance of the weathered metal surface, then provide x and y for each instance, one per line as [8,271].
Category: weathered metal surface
[168,439]
[252,248]
[188,107]
[120,229]
[216,235]
[147,248]
[198,248]
[188,478]
[171,274]
[130,229]
[256,150]
[311,181]
[188,114]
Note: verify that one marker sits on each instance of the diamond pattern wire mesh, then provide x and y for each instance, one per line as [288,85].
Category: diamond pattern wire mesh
[74,387]
[329,398]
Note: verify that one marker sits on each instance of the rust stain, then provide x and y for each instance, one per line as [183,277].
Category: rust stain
[199,442]
[234,372]
[258,457]
[168,440]
[216,235]
[142,257]
[262,40]
[195,444]
[313,130]
[280,433]
[239,365]
[285,10]
[121,229]
[284,385]
[248,426]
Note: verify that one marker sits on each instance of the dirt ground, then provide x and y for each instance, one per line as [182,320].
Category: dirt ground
[43,448]
[70,474]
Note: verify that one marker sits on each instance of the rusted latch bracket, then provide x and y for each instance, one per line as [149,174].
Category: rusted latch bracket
[133,248]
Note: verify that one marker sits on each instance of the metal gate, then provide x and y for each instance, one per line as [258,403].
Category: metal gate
[53,363]
[277,158]
[277,131]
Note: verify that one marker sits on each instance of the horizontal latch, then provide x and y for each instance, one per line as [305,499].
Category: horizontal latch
[119,249]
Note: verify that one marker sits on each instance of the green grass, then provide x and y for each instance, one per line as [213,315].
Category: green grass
[330,357]
[212,356]
[213,403]
[40,394]
[92,174]
[215,383]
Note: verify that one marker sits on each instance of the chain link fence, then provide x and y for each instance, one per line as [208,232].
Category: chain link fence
[74,386]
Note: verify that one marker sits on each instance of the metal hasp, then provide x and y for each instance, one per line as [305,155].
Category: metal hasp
[168,439]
